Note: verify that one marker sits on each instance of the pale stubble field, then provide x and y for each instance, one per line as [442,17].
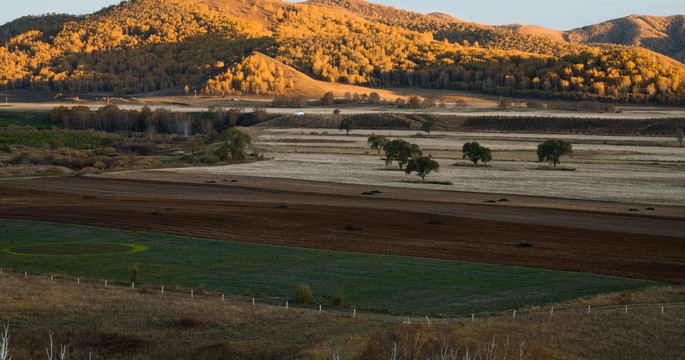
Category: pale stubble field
[626,169]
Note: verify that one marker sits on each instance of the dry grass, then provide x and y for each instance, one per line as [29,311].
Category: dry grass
[642,334]
[118,322]
[572,333]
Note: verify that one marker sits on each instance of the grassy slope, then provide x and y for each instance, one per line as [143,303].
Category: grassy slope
[95,322]
[383,283]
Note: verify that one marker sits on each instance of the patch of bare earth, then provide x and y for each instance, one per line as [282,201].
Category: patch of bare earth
[586,236]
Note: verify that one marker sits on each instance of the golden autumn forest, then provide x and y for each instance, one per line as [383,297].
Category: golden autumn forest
[216,47]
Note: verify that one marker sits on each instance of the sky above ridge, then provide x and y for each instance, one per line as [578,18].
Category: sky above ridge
[553,14]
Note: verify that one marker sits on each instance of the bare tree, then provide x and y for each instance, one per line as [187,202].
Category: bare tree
[5,343]
[679,136]
[50,353]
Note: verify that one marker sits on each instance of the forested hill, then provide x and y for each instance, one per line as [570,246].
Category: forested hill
[49,25]
[662,34]
[209,45]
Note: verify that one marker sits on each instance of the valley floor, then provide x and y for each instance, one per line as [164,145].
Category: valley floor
[584,236]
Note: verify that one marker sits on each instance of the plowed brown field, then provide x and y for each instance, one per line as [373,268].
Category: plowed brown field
[586,236]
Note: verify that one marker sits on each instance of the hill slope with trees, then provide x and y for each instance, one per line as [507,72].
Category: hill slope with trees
[209,45]
[662,34]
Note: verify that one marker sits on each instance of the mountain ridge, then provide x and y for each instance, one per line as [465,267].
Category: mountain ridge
[208,46]
[662,34]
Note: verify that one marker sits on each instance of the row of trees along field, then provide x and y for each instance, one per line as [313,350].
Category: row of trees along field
[154,45]
[111,118]
[411,155]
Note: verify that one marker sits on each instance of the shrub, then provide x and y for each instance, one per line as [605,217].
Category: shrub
[212,159]
[303,294]
[147,163]
[56,170]
[119,162]
[99,165]
[534,104]
[133,273]
[338,299]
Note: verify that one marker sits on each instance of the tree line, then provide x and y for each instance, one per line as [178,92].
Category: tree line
[112,119]
[410,155]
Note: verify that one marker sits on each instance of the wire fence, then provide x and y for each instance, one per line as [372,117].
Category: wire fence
[659,308]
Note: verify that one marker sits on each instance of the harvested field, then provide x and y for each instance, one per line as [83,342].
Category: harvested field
[625,169]
[584,236]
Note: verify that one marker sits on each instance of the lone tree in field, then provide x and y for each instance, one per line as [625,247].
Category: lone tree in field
[347,125]
[235,142]
[474,152]
[679,136]
[376,142]
[328,98]
[427,126]
[551,150]
[422,165]
[401,151]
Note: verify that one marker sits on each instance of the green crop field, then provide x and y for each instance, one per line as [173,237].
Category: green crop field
[37,119]
[381,283]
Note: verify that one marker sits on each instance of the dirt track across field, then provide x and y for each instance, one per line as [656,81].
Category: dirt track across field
[586,236]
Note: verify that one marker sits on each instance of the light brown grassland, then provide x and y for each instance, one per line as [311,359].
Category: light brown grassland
[118,322]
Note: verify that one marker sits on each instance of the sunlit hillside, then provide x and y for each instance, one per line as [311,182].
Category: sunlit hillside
[665,35]
[181,46]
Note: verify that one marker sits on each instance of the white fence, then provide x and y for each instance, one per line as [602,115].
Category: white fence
[661,309]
